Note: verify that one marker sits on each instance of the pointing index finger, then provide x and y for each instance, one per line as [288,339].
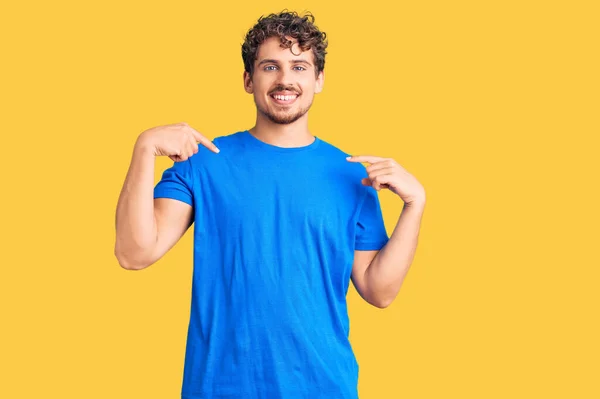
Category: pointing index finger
[364,158]
[204,141]
[209,144]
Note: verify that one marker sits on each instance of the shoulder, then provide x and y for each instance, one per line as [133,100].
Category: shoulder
[228,140]
[348,175]
[225,143]
[338,156]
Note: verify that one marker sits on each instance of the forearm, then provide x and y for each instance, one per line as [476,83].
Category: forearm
[385,274]
[135,221]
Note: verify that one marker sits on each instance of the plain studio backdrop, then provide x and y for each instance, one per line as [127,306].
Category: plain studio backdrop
[492,106]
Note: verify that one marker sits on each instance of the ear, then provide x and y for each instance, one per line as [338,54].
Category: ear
[248,83]
[320,81]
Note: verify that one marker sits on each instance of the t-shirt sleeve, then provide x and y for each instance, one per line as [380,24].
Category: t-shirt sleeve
[176,183]
[370,228]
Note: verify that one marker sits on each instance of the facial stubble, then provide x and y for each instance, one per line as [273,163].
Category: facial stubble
[283,117]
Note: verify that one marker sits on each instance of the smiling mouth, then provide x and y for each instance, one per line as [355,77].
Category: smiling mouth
[284,99]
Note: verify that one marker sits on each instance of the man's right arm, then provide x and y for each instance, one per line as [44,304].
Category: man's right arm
[146,227]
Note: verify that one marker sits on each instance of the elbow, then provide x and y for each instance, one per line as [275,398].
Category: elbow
[127,263]
[375,298]
[382,303]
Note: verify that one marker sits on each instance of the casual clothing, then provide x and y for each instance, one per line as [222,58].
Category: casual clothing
[275,231]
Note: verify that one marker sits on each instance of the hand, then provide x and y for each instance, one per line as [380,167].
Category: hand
[178,141]
[387,173]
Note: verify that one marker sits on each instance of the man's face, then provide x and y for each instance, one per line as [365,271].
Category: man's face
[283,72]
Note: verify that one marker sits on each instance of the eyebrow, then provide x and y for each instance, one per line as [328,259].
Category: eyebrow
[299,61]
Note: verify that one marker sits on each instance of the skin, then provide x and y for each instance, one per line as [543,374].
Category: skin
[283,125]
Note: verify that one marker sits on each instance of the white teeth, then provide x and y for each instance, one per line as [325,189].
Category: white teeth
[284,98]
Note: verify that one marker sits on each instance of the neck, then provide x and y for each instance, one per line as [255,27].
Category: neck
[294,134]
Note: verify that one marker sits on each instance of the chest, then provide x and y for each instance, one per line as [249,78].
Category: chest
[310,202]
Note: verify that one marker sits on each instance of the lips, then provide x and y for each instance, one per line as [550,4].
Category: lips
[284,97]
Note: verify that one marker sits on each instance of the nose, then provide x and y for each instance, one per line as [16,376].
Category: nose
[285,78]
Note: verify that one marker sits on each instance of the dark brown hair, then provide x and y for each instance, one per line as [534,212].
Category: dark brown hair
[286,23]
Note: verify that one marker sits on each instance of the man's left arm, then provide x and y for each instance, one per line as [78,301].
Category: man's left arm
[378,274]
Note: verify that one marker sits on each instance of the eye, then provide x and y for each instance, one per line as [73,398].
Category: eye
[270,66]
[302,68]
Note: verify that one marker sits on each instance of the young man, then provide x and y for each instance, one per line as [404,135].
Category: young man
[283,221]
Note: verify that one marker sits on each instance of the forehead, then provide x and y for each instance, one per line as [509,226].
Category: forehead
[271,48]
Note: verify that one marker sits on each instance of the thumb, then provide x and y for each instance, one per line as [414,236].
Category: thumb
[366,181]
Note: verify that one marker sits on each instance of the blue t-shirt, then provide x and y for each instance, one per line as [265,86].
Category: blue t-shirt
[275,231]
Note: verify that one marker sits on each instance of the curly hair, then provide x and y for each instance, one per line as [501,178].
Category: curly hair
[285,23]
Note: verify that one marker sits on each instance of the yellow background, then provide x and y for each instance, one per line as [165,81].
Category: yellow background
[492,106]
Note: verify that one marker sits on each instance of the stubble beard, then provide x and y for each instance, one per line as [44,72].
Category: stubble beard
[283,117]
